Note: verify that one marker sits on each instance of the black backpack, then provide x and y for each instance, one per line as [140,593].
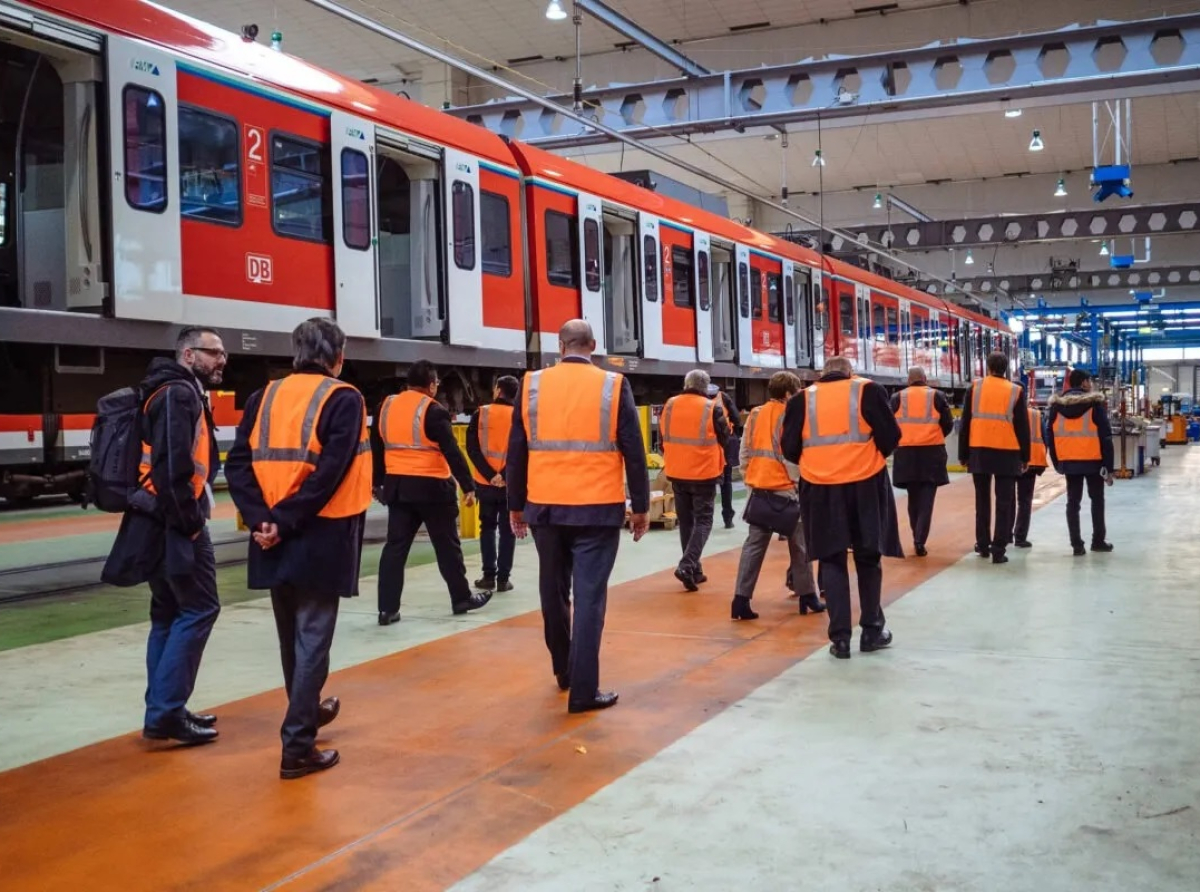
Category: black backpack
[112,475]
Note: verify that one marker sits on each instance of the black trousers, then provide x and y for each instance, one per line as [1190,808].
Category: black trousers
[493,523]
[694,506]
[1025,485]
[834,576]
[1095,491]
[1006,493]
[578,559]
[921,497]
[305,621]
[727,512]
[441,522]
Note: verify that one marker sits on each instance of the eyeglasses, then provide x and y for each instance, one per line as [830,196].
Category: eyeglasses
[213,351]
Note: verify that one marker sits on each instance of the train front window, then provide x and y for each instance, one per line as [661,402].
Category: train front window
[145,150]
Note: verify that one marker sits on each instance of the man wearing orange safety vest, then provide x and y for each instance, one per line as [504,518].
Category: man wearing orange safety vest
[919,464]
[487,448]
[417,462]
[993,442]
[1026,482]
[840,431]
[694,432]
[164,537]
[300,474]
[1079,443]
[576,445]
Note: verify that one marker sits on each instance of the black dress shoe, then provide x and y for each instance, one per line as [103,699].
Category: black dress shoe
[1000,558]
[386,618]
[920,550]
[477,600]
[700,578]
[729,524]
[602,700]
[328,711]
[740,609]
[1103,547]
[1023,543]
[1078,550]
[840,649]
[486,583]
[183,731]
[564,680]
[503,585]
[292,767]
[983,551]
[203,719]
[811,604]
[877,641]
[689,581]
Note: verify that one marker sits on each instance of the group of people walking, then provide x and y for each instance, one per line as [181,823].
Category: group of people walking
[560,455]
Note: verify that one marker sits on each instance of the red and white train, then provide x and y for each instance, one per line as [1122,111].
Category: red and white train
[157,171]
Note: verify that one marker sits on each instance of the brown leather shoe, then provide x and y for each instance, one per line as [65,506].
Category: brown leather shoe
[328,711]
[292,767]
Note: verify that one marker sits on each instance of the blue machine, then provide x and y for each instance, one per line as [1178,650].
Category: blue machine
[1112,179]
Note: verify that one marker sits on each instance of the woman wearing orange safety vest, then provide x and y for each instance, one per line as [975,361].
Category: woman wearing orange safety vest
[993,442]
[300,474]
[840,431]
[919,464]
[772,507]
[487,448]
[1025,483]
[1079,443]
[694,432]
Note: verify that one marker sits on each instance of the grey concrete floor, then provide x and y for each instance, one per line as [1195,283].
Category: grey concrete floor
[1035,727]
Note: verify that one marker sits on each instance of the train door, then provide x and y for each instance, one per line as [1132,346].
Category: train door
[789,314]
[354,226]
[906,337]
[865,341]
[650,274]
[823,336]
[622,321]
[802,322]
[725,317]
[847,332]
[920,354]
[745,300]
[464,271]
[704,302]
[933,340]
[591,286]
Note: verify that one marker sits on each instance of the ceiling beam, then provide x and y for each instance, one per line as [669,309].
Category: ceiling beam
[1137,278]
[635,32]
[1077,62]
[1055,226]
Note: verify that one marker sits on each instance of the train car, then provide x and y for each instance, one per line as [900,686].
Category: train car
[156,171]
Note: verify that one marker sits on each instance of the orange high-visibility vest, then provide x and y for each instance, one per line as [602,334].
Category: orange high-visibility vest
[570,413]
[689,439]
[766,469]
[993,407]
[407,450]
[285,449]
[201,453]
[836,444]
[495,424]
[1037,442]
[918,417]
[1076,439]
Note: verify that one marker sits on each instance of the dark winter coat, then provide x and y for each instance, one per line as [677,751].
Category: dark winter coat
[732,444]
[998,462]
[923,464]
[861,514]
[1074,404]
[155,535]
[317,554]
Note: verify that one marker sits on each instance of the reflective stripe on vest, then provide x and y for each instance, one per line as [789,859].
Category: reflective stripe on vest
[764,431]
[570,415]
[688,457]
[993,406]
[1037,442]
[281,469]
[922,428]
[501,425]
[408,451]
[833,459]
[1076,439]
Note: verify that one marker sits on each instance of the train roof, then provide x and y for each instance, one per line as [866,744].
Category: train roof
[192,37]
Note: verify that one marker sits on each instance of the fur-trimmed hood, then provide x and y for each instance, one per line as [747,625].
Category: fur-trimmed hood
[1075,403]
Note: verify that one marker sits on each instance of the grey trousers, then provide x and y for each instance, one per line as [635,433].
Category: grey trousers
[694,503]
[755,549]
[305,621]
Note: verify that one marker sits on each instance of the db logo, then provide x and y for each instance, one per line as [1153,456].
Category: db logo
[258,269]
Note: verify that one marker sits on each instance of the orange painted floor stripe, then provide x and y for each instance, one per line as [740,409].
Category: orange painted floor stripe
[452,751]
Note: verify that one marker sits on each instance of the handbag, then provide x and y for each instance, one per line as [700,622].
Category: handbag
[775,512]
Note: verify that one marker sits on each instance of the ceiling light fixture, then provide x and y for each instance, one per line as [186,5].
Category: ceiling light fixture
[1036,144]
[878,204]
[970,259]
[1012,113]
[1104,249]
[555,12]
[818,159]
[1060,191]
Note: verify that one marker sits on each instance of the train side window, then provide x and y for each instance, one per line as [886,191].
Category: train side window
[356,201]
[495,222]
[774,299]
[145,149]
[462,199]
[893,326]
[846,311]
[821,316]
[683,290]
[562,249]
[650,253]
[209,167]
[879,322]
[591,255]
[702,277]
[756,301]
[789,301]
[301,198]
[744,301]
